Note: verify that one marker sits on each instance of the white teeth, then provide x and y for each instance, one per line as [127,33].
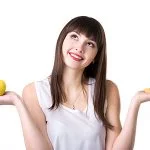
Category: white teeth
[75,56]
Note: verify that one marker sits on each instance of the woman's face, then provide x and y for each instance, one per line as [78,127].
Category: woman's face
[78,50]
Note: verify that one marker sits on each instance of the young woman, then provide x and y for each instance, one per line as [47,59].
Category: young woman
[76,108]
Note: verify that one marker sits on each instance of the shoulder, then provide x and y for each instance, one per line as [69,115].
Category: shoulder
[29,93]
[110,85]
[31,102]
[38,93]
[29,89]
[113,104]
[112,113]
[112,98]
[32,90]
[112,92]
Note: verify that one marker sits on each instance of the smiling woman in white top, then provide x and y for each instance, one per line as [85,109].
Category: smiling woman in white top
[76,108]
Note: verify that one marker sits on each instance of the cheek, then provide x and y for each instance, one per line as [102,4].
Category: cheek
[64,47]
[92,54]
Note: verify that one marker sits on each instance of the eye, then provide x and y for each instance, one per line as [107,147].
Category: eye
[74,36]
[91,44]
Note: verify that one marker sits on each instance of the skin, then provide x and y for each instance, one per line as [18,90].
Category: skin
[76,43]
[33,119]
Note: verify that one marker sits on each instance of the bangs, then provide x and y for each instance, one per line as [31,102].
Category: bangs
[88,27]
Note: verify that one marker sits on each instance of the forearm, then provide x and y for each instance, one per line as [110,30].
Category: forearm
[126,138]
[34,140]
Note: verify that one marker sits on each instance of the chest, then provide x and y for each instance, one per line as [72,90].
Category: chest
[76,125]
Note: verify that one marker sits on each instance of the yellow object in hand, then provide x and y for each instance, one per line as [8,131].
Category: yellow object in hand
[2,87]
[147,90]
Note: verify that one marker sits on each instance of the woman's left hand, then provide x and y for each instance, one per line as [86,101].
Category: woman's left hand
[142,97]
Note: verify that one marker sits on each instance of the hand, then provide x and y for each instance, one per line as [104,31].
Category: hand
[142,97]
[9,98]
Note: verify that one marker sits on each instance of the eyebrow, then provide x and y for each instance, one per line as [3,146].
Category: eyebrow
[90,38]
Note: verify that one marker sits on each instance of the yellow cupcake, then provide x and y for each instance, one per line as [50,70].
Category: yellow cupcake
[2,87]
[147,90]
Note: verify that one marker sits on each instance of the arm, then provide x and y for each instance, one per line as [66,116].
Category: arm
[117,138]
[126,138]
[33,121]
[31,116]
[112,114]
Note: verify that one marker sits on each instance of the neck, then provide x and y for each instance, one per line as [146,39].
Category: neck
[72,79]
[73,87]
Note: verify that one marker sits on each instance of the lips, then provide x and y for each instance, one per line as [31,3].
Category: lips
[75,56]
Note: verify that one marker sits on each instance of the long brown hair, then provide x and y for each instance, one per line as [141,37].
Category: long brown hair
[97,70]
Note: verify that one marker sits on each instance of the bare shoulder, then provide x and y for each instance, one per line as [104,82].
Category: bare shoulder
[112,113]
[28,87]
[30,100]
[110,85]
[112,92]
[29,93]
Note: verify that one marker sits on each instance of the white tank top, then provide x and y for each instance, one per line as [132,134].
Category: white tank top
[70,129]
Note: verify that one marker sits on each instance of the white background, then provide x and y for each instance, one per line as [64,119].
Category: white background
[28,34]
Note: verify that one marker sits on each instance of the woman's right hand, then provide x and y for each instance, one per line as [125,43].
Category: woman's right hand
[9,98]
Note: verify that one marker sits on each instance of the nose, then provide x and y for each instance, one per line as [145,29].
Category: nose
[80,48]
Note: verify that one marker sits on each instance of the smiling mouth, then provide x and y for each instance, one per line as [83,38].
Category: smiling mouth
[75,57]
